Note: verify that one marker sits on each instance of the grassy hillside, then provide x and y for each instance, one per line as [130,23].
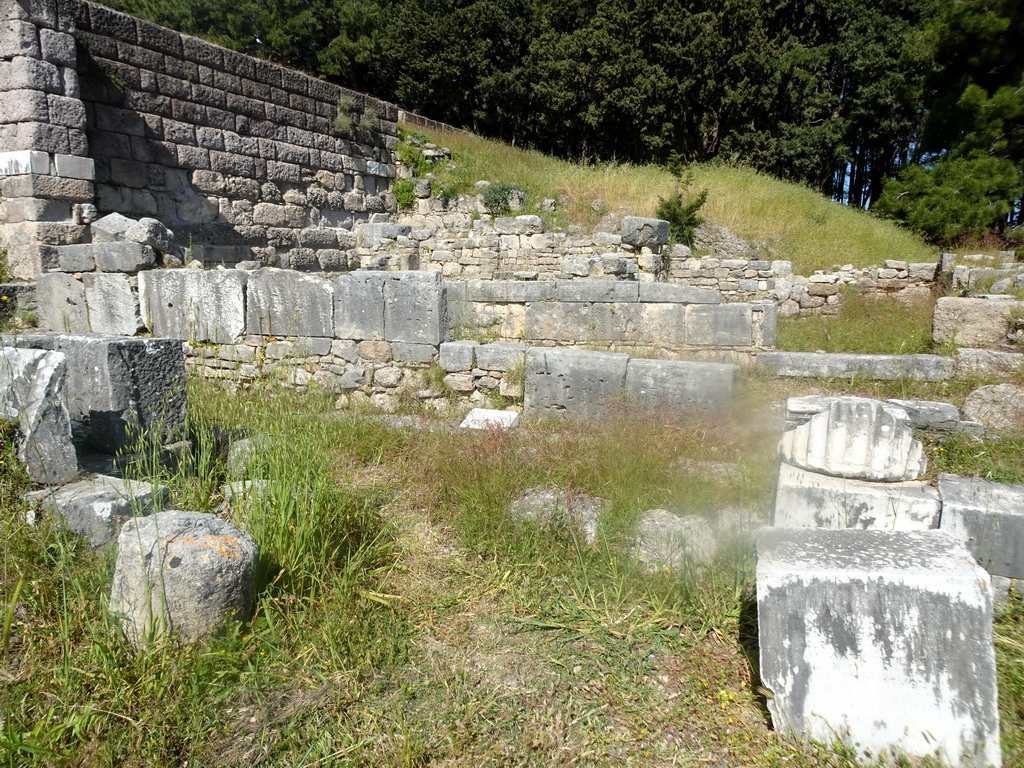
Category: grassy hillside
[799,224]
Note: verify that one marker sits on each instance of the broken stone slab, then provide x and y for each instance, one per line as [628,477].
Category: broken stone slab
[999,407]
[930,415]
[111,305]
[569,511]
[283,302]
[487,418]
[148,231]
[988,518]
[668,541]
[60,303]
[33,391]
[800,409]
[678,384]
[847,365]
[182,574]
[640,232]
[974,362]
[811,500]
[573,382]
[121,387]
[97,507]
[111,228]
[880,639]
[973,322]
[194,304]
[857,439]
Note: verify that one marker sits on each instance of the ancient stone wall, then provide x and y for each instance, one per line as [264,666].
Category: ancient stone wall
[242,159]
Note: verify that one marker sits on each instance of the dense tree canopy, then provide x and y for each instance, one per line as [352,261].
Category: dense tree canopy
[899,105]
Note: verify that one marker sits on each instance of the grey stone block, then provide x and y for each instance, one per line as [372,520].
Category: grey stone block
[582,323]
[283,302]
[500,355]
[507,291]
[610,291]
[573,382]
[121,387]
[60,301]
[415,308]
[845,365]
[880,639]
[677,384]
[194,304]
[123,257]
[359,305]
[182,573]
[112,306]
[111,228]
[930,415]
[370,235]
[638,231]
[151,232]
[418,353]
[33,391]
[988,518]
[76,258]
[97,507]
[725,325]
[811,500]
[454,356]
[677,293]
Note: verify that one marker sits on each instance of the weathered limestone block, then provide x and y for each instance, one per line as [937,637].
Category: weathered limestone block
[60,301]
[283,302]
[988,518]
[639,232]
[583,323]
[489,418]
[97,507]
[812,500]
[999,407]
[123,257]
[182,573]
[500,355]
[573,382]
[454,356]
[678,293]
[359,305]
[121,387]
[677,384]
[845,365]
[33,389]
[880,639]
[112,306]
[724,325]
[415,308]
[609,291]
[968,322]
[929,414]
[111,228]
[973,362]
[194,304]
[573,512]
[855,438]
[665,540]
[508,291]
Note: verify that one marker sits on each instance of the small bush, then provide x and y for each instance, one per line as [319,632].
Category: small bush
[682,215]
[404,193]
[343,120]
[496,198]
[412,156]
[370,120]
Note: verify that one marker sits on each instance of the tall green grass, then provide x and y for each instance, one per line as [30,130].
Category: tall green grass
[794,222]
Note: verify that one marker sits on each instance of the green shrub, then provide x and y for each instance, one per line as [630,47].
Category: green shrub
[370,120]
[412,156]
[343,120]
[405,196]
[496,198]
[682,215]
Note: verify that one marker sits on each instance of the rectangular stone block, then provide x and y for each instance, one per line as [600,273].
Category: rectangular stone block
[24,161]
[973,322]
[455,356]
[988,518]
[194,304]
[806,499]
[678,293]
[72,167]
[60,301]
[725,325]
[283,302]
[415,308]
[583,323]
[597,291]
[122,388]
[500,355]
[676,384]
[508,291]
[418,353]
[123,257]
[880,639]
[112,306]
[359,305]
[846,365]
[573,382]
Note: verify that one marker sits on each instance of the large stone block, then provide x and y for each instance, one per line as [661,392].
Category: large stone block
[882,640]
[111,304]
[639,232]
[500,355]
[415,308]
[723,325]
[359,305]
[968,322]
[194,304]
[845,365]
[455,356]
[123,257]
[677,383]
[678,293]
[182,574]
[930,414]
[855,438]
[571,381]
[32,397]
[1000,407]
[607,291]
[121,387]
[988,518]
[96,508]
[508,291]
[812,500]
[582,323]
[60,302]
[283,302]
